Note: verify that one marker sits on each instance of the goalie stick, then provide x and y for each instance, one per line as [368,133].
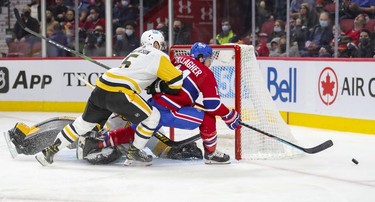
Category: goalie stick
[24,27]
[325,145]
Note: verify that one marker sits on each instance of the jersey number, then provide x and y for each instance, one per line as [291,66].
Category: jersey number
[127,61]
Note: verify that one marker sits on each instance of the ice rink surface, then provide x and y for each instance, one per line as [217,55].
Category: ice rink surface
[329,176]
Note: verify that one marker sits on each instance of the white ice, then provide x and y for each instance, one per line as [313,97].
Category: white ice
[329,176]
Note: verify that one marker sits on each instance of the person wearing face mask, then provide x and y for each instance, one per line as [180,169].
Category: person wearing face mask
[366,46]
[126,40]
[30,23]
[278,30]
[321,35]
[226,34]
[181,35]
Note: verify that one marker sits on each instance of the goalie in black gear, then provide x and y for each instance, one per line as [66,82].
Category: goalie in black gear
[29,140]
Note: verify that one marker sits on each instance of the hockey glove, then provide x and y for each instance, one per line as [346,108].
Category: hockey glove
[160,86]
[232,119]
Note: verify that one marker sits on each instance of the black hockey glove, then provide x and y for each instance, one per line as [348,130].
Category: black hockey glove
[160,86]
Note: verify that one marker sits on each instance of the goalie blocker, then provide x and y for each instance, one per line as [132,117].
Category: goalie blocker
[29,140]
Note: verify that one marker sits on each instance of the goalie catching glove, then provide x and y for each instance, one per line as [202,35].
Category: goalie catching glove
[160,86]
[232,119]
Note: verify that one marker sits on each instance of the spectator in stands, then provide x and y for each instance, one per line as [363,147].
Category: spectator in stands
[20,34]
[163,28]
[69,27]
[262,13]
[308,16]
[366,46]
[359,24]
[226,34]
[181,32]
[320,36]
[95,42]
[300,35]
[262,49]
[92,21]
[351,8]
[275,47]
[58,36]
[99,6]
[278,29]
[123,11]
[58,10]
[50,22]
[295,6]
[126,42]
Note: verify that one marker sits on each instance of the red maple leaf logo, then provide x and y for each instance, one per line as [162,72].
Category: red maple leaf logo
[328,86]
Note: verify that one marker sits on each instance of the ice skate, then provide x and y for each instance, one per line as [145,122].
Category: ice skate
[216,157]
[46,156]
[137,157]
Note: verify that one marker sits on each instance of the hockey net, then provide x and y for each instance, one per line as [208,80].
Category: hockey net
[241,86]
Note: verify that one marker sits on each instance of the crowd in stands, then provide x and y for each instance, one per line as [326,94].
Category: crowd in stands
[311,25]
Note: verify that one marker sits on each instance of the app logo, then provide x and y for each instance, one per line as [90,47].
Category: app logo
[4,80]
[328,86]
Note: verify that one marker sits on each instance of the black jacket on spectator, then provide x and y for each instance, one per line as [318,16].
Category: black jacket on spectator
[31,23]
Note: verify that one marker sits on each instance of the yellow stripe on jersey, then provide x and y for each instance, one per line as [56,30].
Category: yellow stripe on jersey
[137,100]
[168,72]
[134,83]
[113,88]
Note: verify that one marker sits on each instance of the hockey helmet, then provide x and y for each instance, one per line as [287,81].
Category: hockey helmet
[149,37]
[200,49]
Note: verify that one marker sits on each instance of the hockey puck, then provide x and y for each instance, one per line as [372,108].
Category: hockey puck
[355,161]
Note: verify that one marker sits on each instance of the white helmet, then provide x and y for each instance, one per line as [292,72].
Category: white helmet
[149,37]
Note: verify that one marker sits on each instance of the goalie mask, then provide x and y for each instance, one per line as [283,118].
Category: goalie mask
[201,50]
[149,37]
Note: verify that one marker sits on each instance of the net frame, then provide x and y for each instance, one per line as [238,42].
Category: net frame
[239,92]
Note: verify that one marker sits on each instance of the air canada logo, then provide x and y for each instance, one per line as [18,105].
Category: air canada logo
[328,86]
[4,80]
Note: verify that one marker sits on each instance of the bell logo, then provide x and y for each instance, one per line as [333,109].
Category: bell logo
[328,86]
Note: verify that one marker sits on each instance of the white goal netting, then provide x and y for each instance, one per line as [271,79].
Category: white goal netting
[241,86]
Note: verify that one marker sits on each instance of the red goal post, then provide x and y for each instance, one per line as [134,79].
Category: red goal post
[241,86]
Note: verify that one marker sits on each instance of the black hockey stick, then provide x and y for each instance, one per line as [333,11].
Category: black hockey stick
[325,145]
[172,143]
[22,24]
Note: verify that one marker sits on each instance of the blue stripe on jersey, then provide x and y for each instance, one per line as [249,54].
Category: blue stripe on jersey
[211,104]
[191,88]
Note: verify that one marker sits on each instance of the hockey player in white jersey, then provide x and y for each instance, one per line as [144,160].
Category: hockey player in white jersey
[118,91]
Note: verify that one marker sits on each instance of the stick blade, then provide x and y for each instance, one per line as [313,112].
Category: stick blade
[325,145]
